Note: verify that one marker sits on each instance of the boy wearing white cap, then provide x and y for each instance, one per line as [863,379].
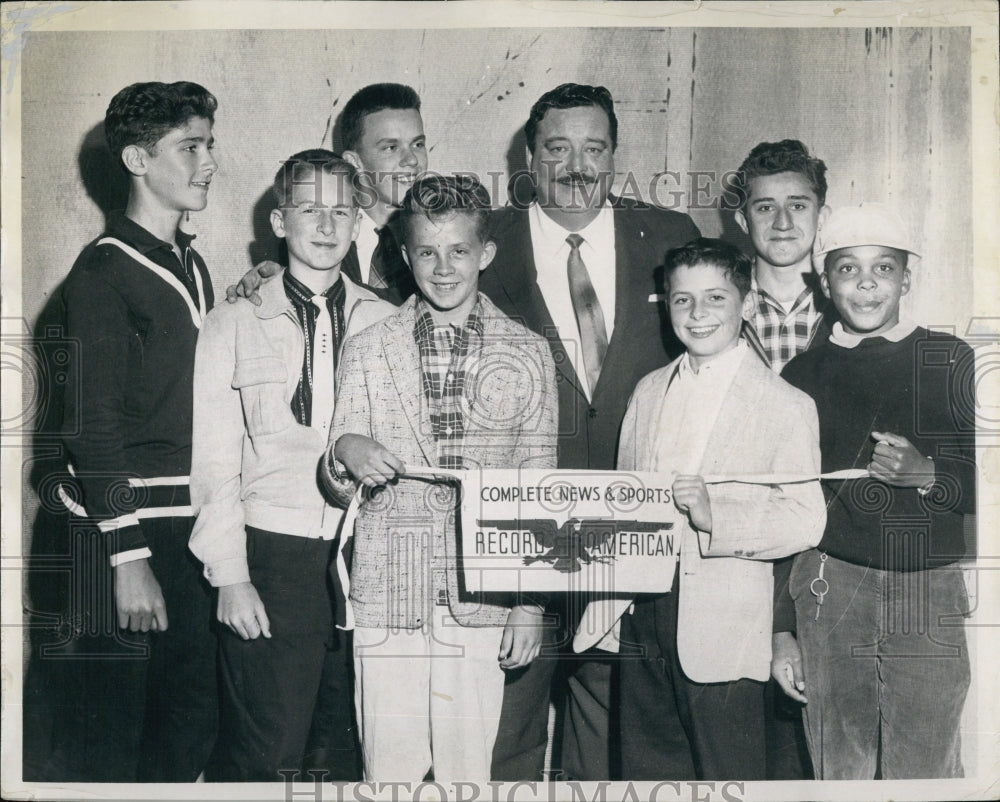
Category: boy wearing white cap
[879,603]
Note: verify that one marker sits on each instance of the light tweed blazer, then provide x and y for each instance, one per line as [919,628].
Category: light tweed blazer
[405,537]
[765,426]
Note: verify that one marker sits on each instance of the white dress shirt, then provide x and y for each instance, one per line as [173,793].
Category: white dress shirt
[551,252]
[690,408]
[683,425]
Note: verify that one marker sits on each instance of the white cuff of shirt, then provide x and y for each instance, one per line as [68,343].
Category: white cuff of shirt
[927,488]
[130,556]
[229,571]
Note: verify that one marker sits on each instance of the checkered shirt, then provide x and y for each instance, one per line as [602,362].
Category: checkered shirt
[444,364]
[783,336]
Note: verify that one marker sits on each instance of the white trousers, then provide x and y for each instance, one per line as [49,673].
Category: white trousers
[428,698]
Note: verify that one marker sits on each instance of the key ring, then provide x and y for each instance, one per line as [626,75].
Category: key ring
[819,594]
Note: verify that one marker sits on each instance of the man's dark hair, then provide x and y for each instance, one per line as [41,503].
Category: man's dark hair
[571,96]
[368,100]
[140,114]
[786,156]
[440,196]
[298,169]
[735,265]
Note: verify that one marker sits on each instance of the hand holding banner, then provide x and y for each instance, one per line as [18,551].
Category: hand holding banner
[565,531]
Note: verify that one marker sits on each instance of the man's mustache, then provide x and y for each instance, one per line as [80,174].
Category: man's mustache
[576,179]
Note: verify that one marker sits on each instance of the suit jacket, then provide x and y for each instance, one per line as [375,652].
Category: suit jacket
[642,339]
[405,535]
[399,279]
[724,609]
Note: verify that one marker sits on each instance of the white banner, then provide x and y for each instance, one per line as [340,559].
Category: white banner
[568,531]
[558,531]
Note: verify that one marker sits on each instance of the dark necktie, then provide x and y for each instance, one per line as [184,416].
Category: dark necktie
[322,368]
[589,317]
[386,260]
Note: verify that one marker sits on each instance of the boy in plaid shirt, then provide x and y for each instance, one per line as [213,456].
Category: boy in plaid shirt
[448,381]
[783,194]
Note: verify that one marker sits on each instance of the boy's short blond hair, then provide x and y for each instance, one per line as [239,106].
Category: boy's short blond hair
[296,169]
[437,196]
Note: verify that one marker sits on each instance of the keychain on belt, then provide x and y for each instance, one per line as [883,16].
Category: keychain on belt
[819,587]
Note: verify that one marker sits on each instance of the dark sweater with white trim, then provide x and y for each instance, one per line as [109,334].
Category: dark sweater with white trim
[921,388]
[129,397]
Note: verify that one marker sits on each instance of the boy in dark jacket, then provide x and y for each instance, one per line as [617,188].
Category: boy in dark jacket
[134,301]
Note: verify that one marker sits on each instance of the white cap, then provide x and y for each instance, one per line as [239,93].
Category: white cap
[867,224]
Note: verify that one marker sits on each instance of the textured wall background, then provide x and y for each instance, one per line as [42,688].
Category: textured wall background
[887,109]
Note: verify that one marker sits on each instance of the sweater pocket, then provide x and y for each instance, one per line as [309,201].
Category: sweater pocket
[261,383]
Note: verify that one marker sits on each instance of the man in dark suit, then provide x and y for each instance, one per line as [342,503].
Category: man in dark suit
[579,267]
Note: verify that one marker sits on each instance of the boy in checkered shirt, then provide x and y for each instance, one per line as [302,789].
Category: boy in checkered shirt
[783,195]
[448,381]
[782,190]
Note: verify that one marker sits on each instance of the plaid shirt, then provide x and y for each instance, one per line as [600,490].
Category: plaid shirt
[782,336]
[444,364]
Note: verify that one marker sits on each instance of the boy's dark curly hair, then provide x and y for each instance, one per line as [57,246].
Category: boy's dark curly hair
[140,114]
[786,156]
